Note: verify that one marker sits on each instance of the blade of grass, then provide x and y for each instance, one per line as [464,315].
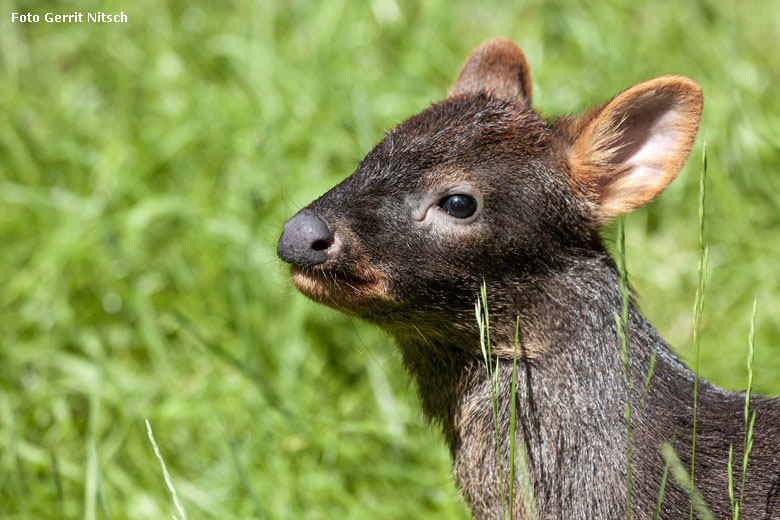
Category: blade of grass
[528,491]
[623,333]
[18,488]
[748,449]
[734,507]
[661,491]
[525,478]
[483,319]
[683,480]
[101,494]
[748,443]
[512,424]
[649,376]
[166,475]
[698,309]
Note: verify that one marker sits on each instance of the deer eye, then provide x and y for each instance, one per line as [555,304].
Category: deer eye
[459,206]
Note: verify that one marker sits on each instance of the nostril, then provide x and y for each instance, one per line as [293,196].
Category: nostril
[322,245]
[305,240]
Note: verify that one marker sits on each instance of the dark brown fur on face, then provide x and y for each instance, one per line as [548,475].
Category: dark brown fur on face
[381,246]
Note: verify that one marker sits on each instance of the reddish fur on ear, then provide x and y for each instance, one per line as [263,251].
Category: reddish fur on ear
[497,67]
[624,152]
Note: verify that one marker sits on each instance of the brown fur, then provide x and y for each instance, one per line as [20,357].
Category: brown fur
[498,68]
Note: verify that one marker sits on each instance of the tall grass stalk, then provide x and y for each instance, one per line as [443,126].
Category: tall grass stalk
[525,478]
[512,423]
[683,480]
[623,332]
[661,491]
[483,320]
[747,446]
[697,311]
[649,376]
[734,505]
[166,475]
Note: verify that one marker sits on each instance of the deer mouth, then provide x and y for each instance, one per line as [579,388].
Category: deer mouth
[344,290]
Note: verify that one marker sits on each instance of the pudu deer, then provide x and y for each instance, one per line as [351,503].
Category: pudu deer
[479,187]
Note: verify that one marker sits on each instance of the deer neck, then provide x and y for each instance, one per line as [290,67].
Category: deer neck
[570,396]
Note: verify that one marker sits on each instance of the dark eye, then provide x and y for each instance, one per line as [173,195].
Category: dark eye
[459,206]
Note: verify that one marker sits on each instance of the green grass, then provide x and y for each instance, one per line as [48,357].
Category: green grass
[698,312]
[166,475]
[483,321]
[683,478]
[750,420]
[506,489]
[624,333]
[146,170]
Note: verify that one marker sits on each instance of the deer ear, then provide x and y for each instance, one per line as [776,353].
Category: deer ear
[497,67]
[630,148]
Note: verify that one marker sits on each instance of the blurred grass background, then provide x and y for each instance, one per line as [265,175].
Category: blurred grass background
[145,172]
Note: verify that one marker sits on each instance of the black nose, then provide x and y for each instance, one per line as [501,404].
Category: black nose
[305,240]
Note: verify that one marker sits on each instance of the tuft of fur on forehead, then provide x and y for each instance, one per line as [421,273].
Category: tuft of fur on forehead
[466,130]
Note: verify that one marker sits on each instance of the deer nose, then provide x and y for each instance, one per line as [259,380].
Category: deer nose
[305,240]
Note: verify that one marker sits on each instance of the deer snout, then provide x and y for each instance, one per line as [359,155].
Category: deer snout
[305,240]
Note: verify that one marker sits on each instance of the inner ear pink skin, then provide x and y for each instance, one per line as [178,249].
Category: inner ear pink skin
[636,143]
